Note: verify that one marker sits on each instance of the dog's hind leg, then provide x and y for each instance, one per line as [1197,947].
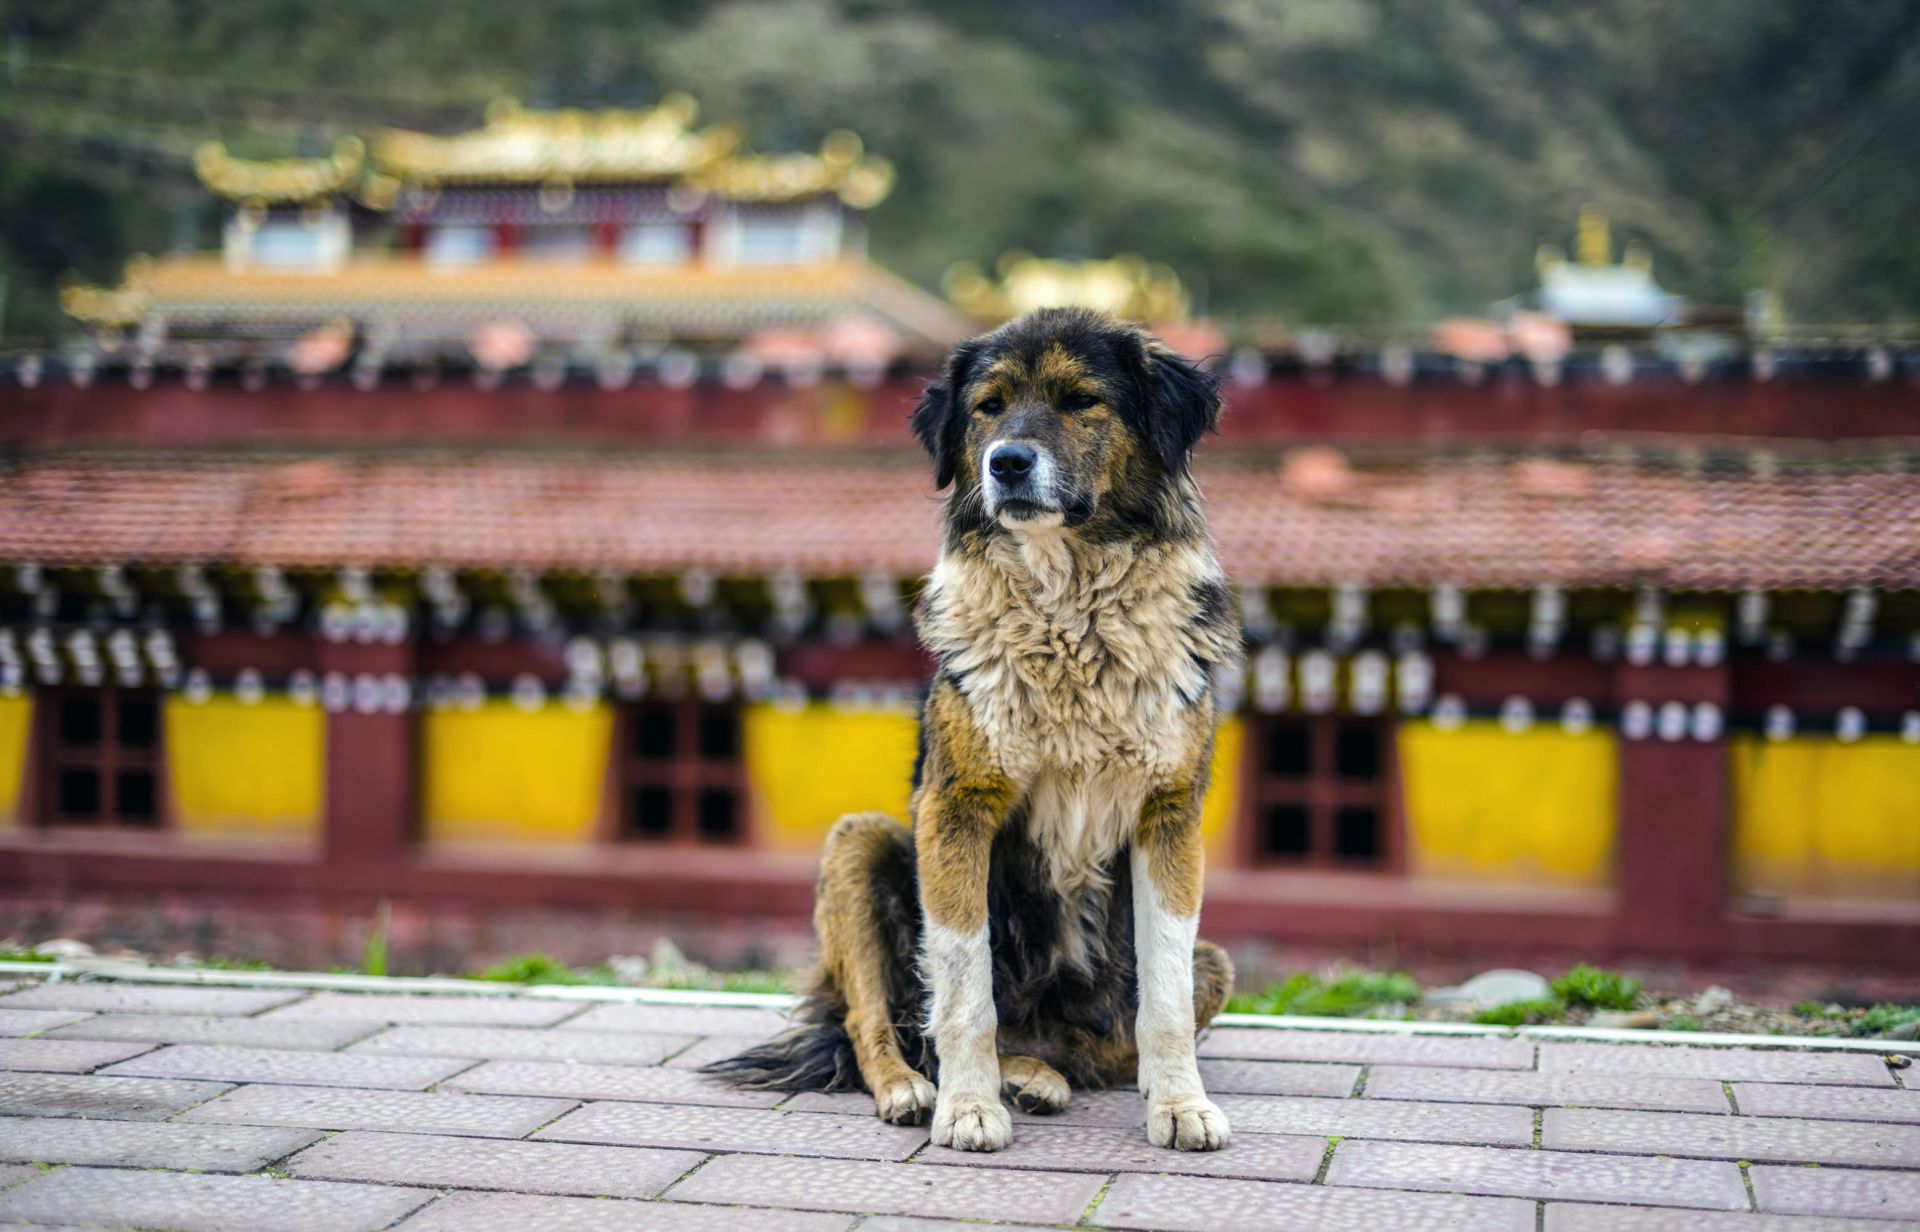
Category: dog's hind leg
[1032,1084]
[1212,982]
[857,956]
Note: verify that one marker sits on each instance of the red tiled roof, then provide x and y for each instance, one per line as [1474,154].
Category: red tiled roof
[1309,520]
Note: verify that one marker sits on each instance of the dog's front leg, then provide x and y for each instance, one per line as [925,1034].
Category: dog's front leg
[960,804]
[1167,866]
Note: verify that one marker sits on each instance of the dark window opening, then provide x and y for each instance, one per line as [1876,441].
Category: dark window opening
[80,795]
[719,735]
[683,775]
[1318,795]
[652,812]
[716,815]
[1356,752]
[1288,830]
[103,759]
[1289,750]
[80,720]
[1356,835]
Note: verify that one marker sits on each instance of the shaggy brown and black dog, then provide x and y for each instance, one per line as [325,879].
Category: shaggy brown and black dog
[1036,926]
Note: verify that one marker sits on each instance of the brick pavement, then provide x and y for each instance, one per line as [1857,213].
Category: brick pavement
[126,1104]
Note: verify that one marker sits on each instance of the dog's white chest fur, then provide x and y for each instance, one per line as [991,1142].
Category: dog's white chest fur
[1082,666]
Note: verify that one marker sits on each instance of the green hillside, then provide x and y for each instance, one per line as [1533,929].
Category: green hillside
[1307,160]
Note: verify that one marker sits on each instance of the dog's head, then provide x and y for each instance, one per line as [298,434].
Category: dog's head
[1063,417]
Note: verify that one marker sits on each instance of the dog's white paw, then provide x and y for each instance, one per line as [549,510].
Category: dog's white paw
[971,1123]
[1192,1123]
[904,1101]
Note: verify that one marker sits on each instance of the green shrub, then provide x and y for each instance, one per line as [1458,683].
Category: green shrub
[1357,994]
[1883,1018]
[1587,987]
[1522,1013]
[532,969]
[1683,1022]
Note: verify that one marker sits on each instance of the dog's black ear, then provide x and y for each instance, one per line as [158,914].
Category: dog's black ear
[1183,404]
[940,420]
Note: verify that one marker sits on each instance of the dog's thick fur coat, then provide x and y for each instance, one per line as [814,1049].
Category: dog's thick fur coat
[1036,926]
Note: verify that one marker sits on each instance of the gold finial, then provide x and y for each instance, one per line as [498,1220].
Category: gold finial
[1594,244]
[1638,256]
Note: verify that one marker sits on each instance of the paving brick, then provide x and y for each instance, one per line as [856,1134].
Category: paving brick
[1367,1048]
[13,1174]
[1837,1191]
[484,1163]
[1827,1103]
[64,1056]
[1719,1064]
[442,1112]
[499,1011]
[144,1144]
[1118,1107]
[892,1189]
[753,1024]
[1362,1118]
[1775,1139]
[206,1203]
[1206,1204]
[30,1022]
[671,1086]
[1538,1174]
[1582,1217]
[519,1043]
[1103,1149]
[737,1129]
[290,1066]
[474,1212]
[147,999]
[1546,1090]
[1278,1078]
[88,1095]
[707,1050]
[318,1036]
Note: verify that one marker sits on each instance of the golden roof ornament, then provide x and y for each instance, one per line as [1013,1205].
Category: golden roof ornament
[842,167]
[1594,242]
[279,180]
[1126,285]
[521,145]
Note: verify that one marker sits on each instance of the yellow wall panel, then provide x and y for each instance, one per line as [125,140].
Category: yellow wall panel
[239,769]
[809,767]
[1815,816]
[503,774]
[1485,804]
[16,719]
[1223,794]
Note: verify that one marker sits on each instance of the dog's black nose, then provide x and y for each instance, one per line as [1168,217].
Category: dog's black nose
[1011,462]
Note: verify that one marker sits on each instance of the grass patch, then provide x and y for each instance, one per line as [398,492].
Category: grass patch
[220,962]
[1357,994]
[1683,1022]
[1883,1018]
[26,956]
[1587,987]
[546,969]
[1523,1013]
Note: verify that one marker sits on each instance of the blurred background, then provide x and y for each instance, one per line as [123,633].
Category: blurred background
[456,508]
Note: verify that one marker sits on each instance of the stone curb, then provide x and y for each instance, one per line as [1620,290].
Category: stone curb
[320,981]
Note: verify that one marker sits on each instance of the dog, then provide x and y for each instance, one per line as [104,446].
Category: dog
[1035,929]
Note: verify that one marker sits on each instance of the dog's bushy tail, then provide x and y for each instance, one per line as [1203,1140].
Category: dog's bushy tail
[815,1054]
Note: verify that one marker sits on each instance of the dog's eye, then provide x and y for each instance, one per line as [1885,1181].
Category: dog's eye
[1078,401]
[992,405]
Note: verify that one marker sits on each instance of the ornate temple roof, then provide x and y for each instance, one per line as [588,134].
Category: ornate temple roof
[558,149]
[1125,285]
[1825,522]
[692,300]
